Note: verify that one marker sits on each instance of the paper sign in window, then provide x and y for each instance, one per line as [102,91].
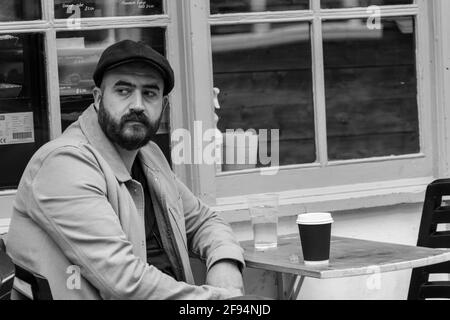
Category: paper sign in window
[16,128]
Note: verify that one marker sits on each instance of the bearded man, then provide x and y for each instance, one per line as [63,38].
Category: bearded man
[101,200]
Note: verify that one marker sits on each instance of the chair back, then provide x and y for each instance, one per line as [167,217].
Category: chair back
[435,212]
[40,287]
[6,273]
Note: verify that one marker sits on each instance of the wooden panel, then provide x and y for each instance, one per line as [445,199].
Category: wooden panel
[372,145]
[274,100]
[231,6]
[371,94]
[269,88]
[361,3]
[292,56]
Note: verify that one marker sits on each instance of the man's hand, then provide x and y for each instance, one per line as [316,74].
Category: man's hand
[226,274]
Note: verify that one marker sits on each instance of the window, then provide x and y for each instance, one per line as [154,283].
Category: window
[18,10]
[23,103]
[106,8]
[64,41]
[264,72]
[344,81]
[371,89]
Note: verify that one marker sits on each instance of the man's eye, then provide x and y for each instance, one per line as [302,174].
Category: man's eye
[123,92]
[150,94]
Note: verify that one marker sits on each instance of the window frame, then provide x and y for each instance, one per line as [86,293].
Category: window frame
[377,177]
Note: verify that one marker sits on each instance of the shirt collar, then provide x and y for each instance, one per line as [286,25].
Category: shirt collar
[97,138]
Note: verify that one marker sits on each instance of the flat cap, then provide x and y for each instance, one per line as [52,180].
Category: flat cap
[127,51]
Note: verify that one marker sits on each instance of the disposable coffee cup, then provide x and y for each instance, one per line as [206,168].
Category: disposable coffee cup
[315,236]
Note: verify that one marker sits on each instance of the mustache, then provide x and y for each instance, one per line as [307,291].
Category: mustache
[136,116]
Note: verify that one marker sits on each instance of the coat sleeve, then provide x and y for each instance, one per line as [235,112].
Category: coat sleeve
[209,236]
[68,200]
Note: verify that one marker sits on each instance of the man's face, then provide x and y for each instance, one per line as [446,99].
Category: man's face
[130,104]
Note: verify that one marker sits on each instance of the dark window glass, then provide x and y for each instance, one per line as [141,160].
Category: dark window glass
[331,4]
[264,74]
[23,103]
[18,10]
[234,6]
[371,88]
[106,8]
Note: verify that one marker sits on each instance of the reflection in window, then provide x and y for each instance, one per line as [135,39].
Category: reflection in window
[371,88]
[264,74]
[17,10]
[329,4]
[106,8]
[23,103]
[78,54]
[234,6]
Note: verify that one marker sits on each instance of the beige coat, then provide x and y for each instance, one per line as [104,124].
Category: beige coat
[78,207]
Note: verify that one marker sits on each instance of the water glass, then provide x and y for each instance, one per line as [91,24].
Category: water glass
[264,217]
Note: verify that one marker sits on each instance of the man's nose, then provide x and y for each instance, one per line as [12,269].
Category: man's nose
[138,101]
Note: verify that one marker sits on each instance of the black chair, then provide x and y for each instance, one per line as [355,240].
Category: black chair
[6,273]
[40,288]
[434,213]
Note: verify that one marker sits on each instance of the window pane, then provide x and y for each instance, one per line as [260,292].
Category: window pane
[106,8]
[371,88]
[328,4]
[17,10]
[264,74]
[233,6]
[23,103]
[78,54]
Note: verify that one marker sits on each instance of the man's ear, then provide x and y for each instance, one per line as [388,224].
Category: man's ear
[97,93]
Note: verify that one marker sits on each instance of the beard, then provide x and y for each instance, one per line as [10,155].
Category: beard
[130,136]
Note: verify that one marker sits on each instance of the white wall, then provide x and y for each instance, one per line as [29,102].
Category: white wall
[397,224]
[6,205]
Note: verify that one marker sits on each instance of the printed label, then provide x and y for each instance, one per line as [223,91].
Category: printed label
[16,128]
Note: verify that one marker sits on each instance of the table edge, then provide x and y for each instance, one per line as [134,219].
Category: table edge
[359,271]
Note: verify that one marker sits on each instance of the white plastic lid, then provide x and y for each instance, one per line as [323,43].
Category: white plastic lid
[314,218]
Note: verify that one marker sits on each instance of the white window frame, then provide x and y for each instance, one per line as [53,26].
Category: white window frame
[325,185]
